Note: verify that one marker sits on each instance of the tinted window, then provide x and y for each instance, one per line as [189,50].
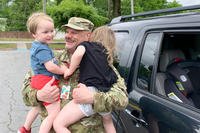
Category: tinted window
[124,46]
[147,60]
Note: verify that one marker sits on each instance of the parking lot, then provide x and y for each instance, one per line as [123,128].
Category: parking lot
[13,66]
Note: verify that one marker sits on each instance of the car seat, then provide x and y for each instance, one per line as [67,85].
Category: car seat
[186,75]
[161,76]
[179,77]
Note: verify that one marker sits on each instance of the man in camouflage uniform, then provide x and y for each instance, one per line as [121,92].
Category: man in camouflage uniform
[77,31]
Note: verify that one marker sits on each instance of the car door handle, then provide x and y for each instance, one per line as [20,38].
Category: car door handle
[141,121]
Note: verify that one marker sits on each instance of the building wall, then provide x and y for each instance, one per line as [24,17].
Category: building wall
[21,34]
[15,34]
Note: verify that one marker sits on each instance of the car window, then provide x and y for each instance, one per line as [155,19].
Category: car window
[179,67]
[147,60]
[124,46]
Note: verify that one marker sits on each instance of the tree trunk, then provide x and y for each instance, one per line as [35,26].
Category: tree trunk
[109,9]
[116,8]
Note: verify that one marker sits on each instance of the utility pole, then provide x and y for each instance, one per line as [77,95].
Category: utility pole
[132,6]
[44,6]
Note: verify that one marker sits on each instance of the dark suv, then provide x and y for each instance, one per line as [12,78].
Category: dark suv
[159,57]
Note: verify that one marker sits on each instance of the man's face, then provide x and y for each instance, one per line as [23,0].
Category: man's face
[74,37]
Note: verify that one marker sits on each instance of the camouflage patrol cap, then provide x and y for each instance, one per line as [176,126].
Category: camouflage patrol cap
[79,24]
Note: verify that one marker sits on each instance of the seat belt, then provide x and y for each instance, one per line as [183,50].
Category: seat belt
[182,80]
[171,90]
[173,93]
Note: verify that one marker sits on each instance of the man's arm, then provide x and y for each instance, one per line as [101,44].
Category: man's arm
[32,97]
[48,93]
[29,94]
[115,99]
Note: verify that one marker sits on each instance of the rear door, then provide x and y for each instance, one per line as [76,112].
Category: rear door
[158,112]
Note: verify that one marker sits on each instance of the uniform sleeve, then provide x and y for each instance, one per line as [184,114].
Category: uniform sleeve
[115,99]
[29,94]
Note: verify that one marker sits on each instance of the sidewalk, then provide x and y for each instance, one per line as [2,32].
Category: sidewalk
[14,65]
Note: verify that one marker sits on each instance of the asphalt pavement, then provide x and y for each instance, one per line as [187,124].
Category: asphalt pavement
[13,66]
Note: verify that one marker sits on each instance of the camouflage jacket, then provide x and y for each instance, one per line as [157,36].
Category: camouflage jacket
[115,99]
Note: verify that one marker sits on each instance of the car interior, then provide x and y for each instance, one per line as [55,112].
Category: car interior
[178,74]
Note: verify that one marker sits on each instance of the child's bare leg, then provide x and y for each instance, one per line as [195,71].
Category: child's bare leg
[108,124]
[31,116]
[52,109]
[70,114]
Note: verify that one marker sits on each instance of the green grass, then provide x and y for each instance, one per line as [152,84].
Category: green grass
[8,46]
[25,39]
[53,46]
[14,46]
[57,46]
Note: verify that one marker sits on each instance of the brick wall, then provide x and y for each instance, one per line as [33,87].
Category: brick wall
[15,34]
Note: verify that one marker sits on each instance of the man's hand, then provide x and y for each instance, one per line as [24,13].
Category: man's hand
[48,93]
[81,94]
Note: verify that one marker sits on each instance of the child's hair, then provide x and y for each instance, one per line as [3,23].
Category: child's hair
[34,19]
[105,36]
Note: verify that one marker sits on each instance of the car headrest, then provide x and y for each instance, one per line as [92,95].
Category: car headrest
[169,55]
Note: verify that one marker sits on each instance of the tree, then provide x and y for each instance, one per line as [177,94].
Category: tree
[146,5]
[21,9]
[113,8]
[173,4]
[18,11]
[4,8]
[116,8]
[108,8]
[70,8]
[101,6]
[2,24]
[99,12]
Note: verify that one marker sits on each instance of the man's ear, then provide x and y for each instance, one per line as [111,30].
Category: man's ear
[89,34]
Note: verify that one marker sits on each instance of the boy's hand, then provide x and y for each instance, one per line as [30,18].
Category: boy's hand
[66,73]
[64,68]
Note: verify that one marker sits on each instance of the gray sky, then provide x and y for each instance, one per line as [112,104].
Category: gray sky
[187,2]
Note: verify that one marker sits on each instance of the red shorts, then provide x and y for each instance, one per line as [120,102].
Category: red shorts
[38,82]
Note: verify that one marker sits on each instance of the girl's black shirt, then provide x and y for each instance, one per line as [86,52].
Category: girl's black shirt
[94,68]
